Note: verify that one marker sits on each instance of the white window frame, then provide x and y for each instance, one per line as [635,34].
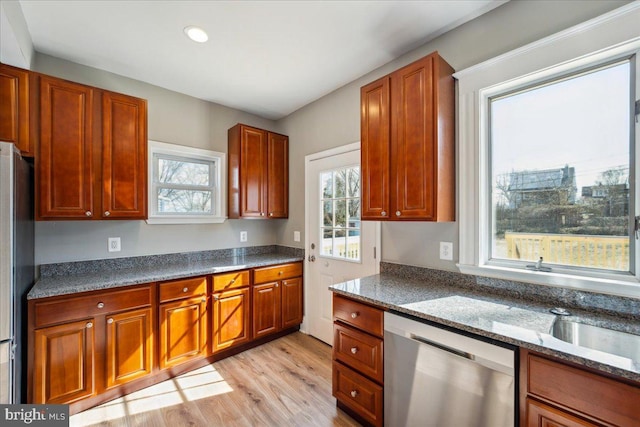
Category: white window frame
[612,36]
[195,154]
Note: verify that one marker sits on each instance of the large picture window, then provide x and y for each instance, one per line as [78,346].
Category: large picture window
[560,162]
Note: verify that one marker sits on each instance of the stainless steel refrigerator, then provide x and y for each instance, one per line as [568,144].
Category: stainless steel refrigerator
[16,269]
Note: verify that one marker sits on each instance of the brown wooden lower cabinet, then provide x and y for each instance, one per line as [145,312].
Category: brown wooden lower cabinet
[557,393]
[231,318]
[91,347]
[129,346]
[64,362]
[183,331]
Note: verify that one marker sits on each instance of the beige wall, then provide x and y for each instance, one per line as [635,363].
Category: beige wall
[334,119]
[173,118]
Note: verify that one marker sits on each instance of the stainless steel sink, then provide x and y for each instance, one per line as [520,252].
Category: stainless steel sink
[597,338]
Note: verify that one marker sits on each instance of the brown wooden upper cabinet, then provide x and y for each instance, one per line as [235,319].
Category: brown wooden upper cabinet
[258,173]
[407,137]
[17,92]
[92,157]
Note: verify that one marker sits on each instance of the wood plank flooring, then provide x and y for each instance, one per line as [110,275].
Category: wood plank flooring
[286,382]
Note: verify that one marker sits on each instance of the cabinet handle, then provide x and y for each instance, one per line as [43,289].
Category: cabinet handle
[353,393]
[216,297]
[89,325]
[354,350]
[383,213]
[232,281]
[110,320]
[276,285]
[88,213]
[100,305]
[270,213]
[203,300]
[185,289]
[280,273]
[398,213]
[354,314]
[261,213]
[107,213]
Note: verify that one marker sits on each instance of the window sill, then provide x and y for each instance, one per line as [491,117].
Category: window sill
[185,220]
[625,286]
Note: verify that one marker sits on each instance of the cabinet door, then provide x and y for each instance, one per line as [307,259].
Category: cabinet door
[291,302]
[183,331]
[129,346]
[253,164]
[541,415]
[278,176]
[231,325]
[124,154]
[64,362]
[413,141]
[63,164]
[14,109]
[375,149]
[266,309]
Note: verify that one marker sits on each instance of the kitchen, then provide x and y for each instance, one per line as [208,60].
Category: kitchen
[327,123]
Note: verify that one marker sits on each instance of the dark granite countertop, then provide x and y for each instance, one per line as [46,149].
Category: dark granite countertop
[113,277]
[518,321]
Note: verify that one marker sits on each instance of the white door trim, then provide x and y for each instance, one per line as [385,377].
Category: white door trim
[354,146]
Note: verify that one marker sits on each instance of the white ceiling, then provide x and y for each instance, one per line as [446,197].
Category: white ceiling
[264,57]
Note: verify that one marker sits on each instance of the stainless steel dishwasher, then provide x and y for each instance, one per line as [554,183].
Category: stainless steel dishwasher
[434,377]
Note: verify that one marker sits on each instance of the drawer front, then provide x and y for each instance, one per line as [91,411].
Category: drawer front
[226,281]
[359,351]
[359,315]
[278,272]
[75,308]
[541,415]
[593,395]
[180,289]
[358,393]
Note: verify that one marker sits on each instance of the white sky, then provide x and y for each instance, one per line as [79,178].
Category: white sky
[582,122]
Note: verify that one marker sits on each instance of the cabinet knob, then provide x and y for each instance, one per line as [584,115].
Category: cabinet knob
[203,300]
[398,213]
[110,320]
[107,213]
[261,213]
[353,393]
[276,285]
[89,325]
[232,281]
[88,213]
[100,305]
[383,213]
[270,213]
[185,289]
[354,314]
[354,350]
[280,273]
[216,297]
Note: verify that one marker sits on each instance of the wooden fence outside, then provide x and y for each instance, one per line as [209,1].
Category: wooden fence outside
[610,252]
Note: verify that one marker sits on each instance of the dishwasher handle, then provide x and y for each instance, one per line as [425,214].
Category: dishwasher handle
[443,347]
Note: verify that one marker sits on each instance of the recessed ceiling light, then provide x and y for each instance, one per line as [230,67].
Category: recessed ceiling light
[196,34]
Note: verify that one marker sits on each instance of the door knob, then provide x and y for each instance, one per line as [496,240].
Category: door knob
[312,258]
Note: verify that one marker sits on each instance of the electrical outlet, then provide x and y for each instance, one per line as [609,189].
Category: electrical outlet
[446,251]
[296,236]
[243,236]
[113,244]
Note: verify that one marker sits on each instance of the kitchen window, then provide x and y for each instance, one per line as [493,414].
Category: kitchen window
[548,160]
[185,185]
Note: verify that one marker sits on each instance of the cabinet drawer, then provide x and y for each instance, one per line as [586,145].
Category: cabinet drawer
[179,289]
[541,415]
[234,280]
[591,394]
[73,308]
[359,351]
[278,272]
[358,393]
[362,316]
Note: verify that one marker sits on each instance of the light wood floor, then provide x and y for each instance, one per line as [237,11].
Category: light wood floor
[286,382]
